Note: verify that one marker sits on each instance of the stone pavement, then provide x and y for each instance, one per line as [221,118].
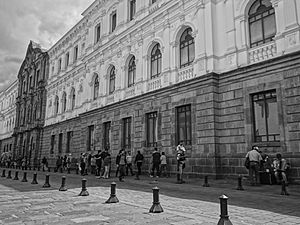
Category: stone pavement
[49,206]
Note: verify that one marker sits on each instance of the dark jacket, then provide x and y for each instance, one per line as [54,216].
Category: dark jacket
[156,158]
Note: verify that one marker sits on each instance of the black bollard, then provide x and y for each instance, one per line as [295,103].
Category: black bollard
[34,180]
[3,173]
[240,187]
[9,175]
[113,198]
[205,182]
[61,170]
[283,189]
[16,175]
[24,177]
[224,218]
[63,184]
[84,191]
[47,184]
[156,207]
[137,177]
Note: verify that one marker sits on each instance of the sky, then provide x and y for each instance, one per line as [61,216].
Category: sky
[43,21]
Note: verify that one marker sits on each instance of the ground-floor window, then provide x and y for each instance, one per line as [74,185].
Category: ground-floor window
[184,128]
[91,137]
[106,135]
[265,116]
[69,139]
[151,129]
[127,133]
[52,143]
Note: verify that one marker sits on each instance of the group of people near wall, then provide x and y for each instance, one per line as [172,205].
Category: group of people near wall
[258,163]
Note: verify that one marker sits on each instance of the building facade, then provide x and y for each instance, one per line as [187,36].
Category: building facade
[7,118]
[31,105]
[218,75]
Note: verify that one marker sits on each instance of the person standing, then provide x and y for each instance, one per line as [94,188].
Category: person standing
[155,162]
[83,164]
[98,163]
[280,166]
[255,159]
[44,164]
[118,162]
[106,164]
[129,164]
[122,165]
[180,157]
[163,165]
[139,158]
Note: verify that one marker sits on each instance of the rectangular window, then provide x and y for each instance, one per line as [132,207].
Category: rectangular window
[113,21]
[132,9]
[67,59]
[59,65]
[30,82]
[97,33]
[52,143]
[60,140]
[106,135]
[75,52]
[265,117]
[126,133]
[151,129]
[91,133]
[37,77]
[184,129]
[69,139]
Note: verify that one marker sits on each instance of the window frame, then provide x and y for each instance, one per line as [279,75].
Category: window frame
[183,44]
[152,117]
[155,58]
[126,132]
[56,105]
[64,102]
[131,72]
[73,98]
[97,33]
[132,9]
[96,87]
[112,77]
[184,109]
[69,139]
[76,51]
[91,138]
[60,143]
[113,21]
[52,143]
[106,135]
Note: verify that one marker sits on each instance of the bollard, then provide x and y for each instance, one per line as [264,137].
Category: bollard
[205,182]
[113,198]
[24,177]
[283,189]
[137,177]
[156,207]
[9,175]
[3,173]
[63,184]
[47,184]
[240,187]
[224,218]
[16,175]
[84,191]
[34,180]
[61,170]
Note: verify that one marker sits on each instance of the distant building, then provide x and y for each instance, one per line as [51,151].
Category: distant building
[31,105]
[7,118]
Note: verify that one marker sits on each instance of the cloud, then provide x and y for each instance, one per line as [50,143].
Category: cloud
[44,22]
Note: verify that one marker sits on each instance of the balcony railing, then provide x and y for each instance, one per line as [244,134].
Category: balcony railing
[154,83]
[185,73]
[130,92]
[262,53]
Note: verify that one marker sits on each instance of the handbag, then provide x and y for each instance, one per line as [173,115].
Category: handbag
[247,162]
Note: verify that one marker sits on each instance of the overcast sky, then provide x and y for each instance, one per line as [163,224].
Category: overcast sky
[43,21]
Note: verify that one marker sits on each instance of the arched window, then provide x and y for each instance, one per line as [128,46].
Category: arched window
[155,61]
[73,98]
[187,48]
[96,87]
[56,104]
[112,80]
[262,26]
[64,102]
[131,71]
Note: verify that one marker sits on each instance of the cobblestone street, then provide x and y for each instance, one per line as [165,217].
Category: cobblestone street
[24,203]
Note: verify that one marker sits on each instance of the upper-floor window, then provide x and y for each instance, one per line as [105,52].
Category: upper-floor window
[59,65]
[153,1]
[113,21]
[52,143]
[112,80]
[67,59]
[52,70]
[265,116]
[155,61]
[64,102]
[37,77]
[151,129]
[262,25]
[96,87]
[75,52]
[97,33]
[184,124]
[187,48]
[131,71]
[73,98]
[132,9]
[56,105]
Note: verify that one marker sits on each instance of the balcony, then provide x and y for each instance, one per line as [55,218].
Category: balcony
[110,99]
[130,92]
[185,73]
[155,83]
[261,53]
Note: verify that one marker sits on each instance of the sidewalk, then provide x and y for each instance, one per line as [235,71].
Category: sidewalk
[186,204]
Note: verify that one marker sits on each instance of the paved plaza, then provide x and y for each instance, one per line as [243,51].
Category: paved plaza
[188,204]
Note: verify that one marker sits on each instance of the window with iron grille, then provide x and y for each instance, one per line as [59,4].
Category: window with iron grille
[265,117]
[151,129]
[126,133]
[262,25]
[106,135]
[184,127]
